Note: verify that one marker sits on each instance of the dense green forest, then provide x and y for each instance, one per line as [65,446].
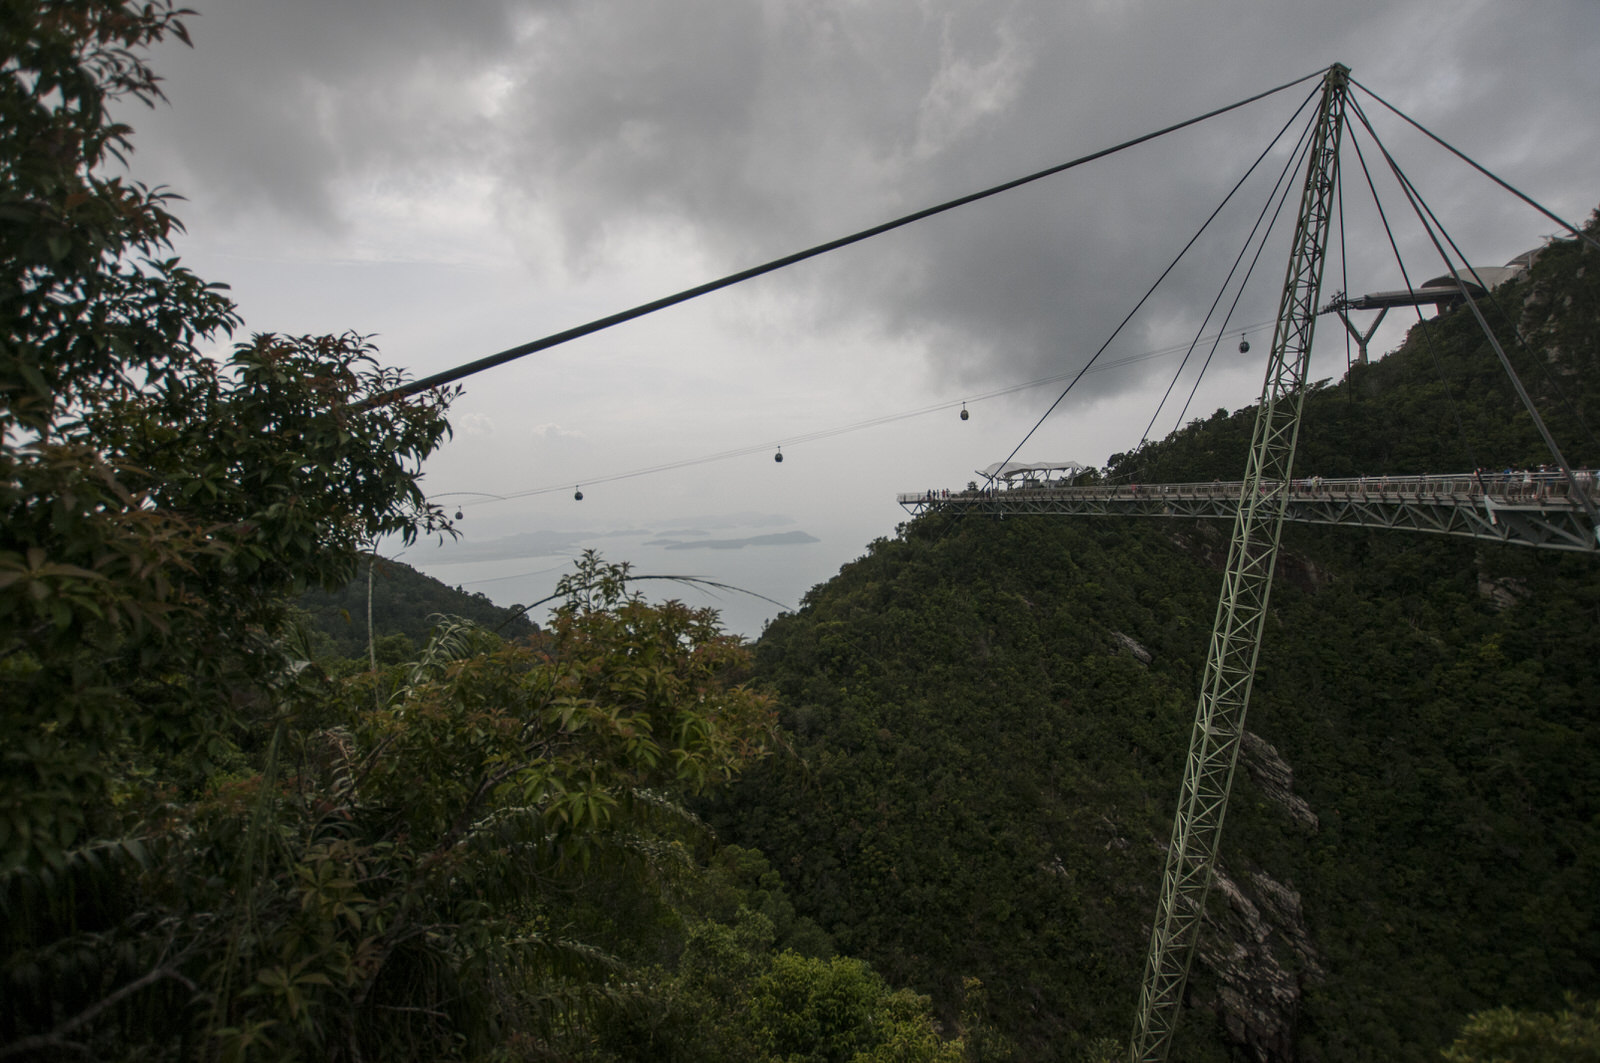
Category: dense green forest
[920,821]
[990,718]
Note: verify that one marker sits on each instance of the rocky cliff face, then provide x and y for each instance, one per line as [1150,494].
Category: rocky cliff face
[1275,778]
[1259,950]
[1256,943]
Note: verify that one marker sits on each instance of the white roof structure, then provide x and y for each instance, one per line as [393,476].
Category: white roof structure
[1442,290]
[1040,470]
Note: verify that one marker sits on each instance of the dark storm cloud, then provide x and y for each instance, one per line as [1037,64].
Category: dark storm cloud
[792,123]
[763,128]
[751,129]
[277,101]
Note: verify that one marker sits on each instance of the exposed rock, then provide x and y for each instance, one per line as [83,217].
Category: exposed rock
[1302,572]
[1202,541]
[1206,543]
[1117,841]
[1258,949]
[1140,653]
[1255,942]
[1276,779]
[1501,592]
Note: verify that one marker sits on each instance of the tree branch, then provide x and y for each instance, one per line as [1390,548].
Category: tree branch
[55,1038]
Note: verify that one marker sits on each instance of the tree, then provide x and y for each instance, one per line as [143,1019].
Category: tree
[155,505]
[1507,1036]
[454,854]
[839,1011]
[156,508]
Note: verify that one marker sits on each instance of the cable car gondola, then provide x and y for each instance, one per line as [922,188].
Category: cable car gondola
[577,494]
[778,457]
[964,414]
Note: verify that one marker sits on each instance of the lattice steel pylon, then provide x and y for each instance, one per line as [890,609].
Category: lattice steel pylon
[1242,605]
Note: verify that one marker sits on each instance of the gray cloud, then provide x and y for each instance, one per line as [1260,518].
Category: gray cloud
[282,100]
[745,131]
[761,129]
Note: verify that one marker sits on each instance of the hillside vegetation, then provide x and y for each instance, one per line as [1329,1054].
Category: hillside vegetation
[406,605]
[990,718]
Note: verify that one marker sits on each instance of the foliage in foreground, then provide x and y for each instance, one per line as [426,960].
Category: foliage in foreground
[399,869]
[156,506]
[210,849]
[1507,1036]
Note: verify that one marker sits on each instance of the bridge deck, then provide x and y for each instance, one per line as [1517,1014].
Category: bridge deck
[1537,509]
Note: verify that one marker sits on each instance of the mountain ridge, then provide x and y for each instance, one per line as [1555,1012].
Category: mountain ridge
[985,768]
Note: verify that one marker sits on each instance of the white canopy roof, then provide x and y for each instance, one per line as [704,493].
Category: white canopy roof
[1010,470]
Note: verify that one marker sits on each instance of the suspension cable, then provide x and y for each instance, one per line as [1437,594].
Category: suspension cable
[460,372]
[1344,269]
[1424,214]
[1232,269]
[1567,225]
[1427,329]
[1136,308]
[1282,182]
[1286,186]
[1516,332]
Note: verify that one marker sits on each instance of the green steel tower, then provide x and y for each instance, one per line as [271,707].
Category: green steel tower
[1242,606]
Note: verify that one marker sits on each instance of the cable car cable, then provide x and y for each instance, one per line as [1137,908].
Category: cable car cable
[825,433]
[1567,225]
[1145,297]
[460,372]
[1284,183]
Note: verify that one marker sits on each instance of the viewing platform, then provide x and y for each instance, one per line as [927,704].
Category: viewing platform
[1525,508]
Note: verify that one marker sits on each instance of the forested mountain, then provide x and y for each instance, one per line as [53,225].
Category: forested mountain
[405,606]
[990,719]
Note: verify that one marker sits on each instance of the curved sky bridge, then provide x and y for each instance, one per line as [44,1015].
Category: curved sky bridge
[1528,509]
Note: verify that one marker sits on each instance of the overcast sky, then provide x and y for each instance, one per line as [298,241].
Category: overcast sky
[461,178]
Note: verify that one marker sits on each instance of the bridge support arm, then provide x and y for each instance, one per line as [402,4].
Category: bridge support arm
[1362,338]
[1242,605]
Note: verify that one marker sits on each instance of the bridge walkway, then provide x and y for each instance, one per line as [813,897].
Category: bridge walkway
[1537,509]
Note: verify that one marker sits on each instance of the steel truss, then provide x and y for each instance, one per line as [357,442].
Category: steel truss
[1242,606]
[1544,514]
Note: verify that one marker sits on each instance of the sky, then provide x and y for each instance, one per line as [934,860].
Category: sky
[459,179]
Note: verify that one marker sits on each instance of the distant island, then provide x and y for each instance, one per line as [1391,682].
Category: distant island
[780,538]
[794,538]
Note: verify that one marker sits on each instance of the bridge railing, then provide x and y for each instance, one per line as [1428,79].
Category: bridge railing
[1508,488]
